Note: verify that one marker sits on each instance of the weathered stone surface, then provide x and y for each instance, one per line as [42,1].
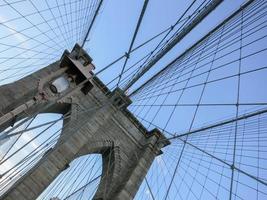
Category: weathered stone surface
[127,148]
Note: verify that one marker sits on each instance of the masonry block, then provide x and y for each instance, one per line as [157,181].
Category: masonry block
[100,123]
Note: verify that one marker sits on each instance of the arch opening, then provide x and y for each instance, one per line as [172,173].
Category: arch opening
[80,180]
[24,144]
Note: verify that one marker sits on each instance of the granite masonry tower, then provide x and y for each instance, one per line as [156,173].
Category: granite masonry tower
[97,121]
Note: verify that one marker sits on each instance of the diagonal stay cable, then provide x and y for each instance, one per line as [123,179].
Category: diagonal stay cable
[161,45]
[209,8]
[92,23]
[104,68]
[219,159]
[142,13]
[194,46]
[17,11]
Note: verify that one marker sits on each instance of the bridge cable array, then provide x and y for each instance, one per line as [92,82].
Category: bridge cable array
[218,160]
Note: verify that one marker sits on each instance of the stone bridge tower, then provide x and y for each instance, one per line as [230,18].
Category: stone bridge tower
[98,122]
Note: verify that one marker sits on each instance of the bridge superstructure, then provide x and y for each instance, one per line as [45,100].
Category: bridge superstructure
[144,125]
[98,122]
